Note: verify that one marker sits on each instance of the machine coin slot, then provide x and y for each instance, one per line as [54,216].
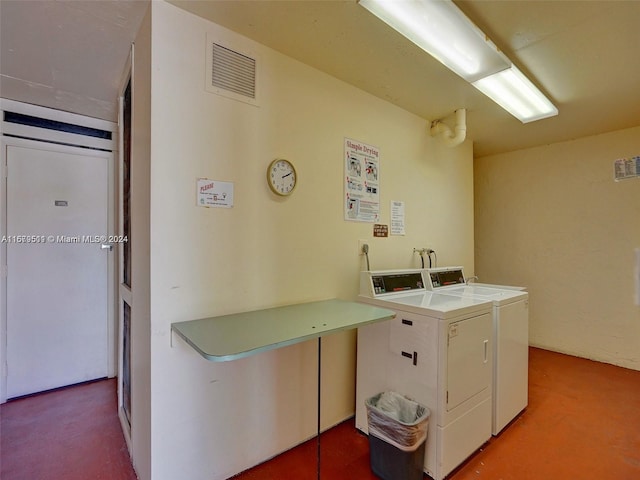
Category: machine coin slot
[407,322]
[61,203]
[413,356]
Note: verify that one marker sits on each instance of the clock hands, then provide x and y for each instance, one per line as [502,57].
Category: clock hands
[290,173]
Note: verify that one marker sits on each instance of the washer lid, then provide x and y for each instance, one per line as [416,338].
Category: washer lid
[432,304]
[496,295]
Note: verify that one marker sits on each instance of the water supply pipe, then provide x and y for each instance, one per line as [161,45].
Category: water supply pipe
[448,136]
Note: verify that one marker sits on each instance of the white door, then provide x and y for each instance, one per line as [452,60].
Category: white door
[57,209]
[469,365]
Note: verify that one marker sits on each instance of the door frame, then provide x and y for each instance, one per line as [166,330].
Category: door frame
[122,292]
[12,134]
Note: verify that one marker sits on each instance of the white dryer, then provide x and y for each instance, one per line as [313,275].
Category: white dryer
[510,340]
[438,351]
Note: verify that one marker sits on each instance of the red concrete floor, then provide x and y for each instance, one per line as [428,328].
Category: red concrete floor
[68,434]
[583,422]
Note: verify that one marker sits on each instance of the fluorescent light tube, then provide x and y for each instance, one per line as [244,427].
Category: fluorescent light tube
[517,95]
[443,31]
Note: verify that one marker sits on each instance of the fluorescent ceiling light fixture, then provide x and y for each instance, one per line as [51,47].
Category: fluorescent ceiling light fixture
[517,95]
[442,30]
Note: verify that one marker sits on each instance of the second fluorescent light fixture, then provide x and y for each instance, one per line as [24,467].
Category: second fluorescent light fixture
[442,30]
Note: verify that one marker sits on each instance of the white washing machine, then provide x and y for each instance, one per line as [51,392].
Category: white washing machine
[510,340]
[438,351]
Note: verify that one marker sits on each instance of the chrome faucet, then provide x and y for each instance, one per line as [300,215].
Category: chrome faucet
[474,278]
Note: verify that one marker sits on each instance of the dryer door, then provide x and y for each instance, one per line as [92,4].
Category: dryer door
[469,359]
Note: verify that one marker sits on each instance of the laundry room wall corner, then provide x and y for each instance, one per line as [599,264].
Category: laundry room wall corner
[553,219]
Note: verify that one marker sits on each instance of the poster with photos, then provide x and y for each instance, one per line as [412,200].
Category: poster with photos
[362,182]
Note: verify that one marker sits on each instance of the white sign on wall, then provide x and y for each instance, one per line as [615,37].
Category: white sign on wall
[211,193]
[397,218]
[362,182]
[624,168]
[638,276]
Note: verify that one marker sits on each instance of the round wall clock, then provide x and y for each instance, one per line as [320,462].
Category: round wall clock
[281,176]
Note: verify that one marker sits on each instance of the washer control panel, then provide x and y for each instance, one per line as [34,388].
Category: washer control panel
[444,277]
[383,282]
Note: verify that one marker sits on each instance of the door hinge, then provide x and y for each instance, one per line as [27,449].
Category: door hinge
[447,397]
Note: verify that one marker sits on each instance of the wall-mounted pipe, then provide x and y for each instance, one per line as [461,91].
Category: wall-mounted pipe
[448,136]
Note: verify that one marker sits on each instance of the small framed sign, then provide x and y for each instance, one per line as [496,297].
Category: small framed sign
[380,230]
[211,193]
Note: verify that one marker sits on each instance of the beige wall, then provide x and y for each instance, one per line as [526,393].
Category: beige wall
[211,420]
[552,219]
[140,287]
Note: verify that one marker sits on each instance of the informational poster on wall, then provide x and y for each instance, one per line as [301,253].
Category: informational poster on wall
[638,276]
[625,168]
[362,182]
[397,218]
[212,193]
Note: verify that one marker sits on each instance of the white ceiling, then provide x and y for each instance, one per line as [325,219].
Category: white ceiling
[69,55]
[582,54]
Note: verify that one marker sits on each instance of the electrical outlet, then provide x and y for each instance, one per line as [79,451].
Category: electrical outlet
[361,245]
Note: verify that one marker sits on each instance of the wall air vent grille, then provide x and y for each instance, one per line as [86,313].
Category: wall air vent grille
[233,71]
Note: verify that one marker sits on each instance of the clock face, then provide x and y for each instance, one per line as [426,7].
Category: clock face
[281,176]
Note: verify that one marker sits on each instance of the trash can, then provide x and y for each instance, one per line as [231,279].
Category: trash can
[397,436]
